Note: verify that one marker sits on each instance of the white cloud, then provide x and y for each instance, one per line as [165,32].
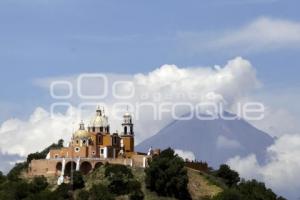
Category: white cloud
[215,84]
[170,83]
[185,154]
[235,79]
[278,122]
[262,34]
[24,137]
[281,173]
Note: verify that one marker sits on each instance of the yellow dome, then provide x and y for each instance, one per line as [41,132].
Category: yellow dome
[82,134]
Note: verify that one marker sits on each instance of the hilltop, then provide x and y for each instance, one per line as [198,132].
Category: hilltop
[166,178]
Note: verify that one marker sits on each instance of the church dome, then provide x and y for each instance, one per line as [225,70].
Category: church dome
[81,132]
[100,120]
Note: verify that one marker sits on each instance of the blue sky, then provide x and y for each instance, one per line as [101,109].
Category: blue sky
[43,38]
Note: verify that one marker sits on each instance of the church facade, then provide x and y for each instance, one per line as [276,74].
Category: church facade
[91,147]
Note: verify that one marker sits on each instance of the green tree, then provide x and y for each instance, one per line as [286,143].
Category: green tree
[248,190]
[14,174]
[167,176]
[119,177]
[83,195]
[63,192]
[256,190]
[15,190]
[77,182]
[136,195]
[117,170]
[230,177]
[100,192]
[43,154]
[2,177]
[38,184]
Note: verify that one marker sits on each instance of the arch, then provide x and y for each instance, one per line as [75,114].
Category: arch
[98,165]
[58,168]
[70,167]
[85,167]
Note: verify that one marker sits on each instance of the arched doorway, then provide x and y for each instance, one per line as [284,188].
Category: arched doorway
[98,165]
[70,167]
[85,167]
[58,168]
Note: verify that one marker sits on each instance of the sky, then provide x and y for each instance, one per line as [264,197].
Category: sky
[42,40]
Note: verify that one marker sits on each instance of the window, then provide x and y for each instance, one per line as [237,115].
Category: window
[101,151]
[94,129]
[99,139]
[131,129]
[77,149]
[93,152]
[125,130]
[101,129]
[83,141]
[77,141]
[114,140]
[56,156]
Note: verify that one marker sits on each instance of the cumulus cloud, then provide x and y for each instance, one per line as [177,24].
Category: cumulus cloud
[281,172]
[166,84]
[32,135]
[185,154]
[235,79]
[262,34]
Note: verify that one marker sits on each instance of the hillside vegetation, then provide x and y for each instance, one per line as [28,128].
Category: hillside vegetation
[166,178]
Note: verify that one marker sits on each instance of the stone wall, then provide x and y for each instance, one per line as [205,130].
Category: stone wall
[53,167]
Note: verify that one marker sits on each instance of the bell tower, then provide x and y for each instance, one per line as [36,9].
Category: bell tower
[127,124]
[127,133]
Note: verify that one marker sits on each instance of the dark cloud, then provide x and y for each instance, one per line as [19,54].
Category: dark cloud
[7,161]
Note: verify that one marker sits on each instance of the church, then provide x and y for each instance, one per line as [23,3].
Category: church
[91,147]
[97,142]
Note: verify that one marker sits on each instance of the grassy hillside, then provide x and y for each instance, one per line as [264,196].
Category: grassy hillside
[200,187]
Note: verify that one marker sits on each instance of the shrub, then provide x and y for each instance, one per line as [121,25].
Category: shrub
[2,177]
[62,192]
[14,174]
[256,190]
[229,194]
[250,190]
[43,154]
[112,171]
[83,195]
[77,181]
[100,192]
[119,177]
[38,184]
[230,177]
[136,195]
[167,176]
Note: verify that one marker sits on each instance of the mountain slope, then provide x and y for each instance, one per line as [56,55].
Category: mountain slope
[214,141]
